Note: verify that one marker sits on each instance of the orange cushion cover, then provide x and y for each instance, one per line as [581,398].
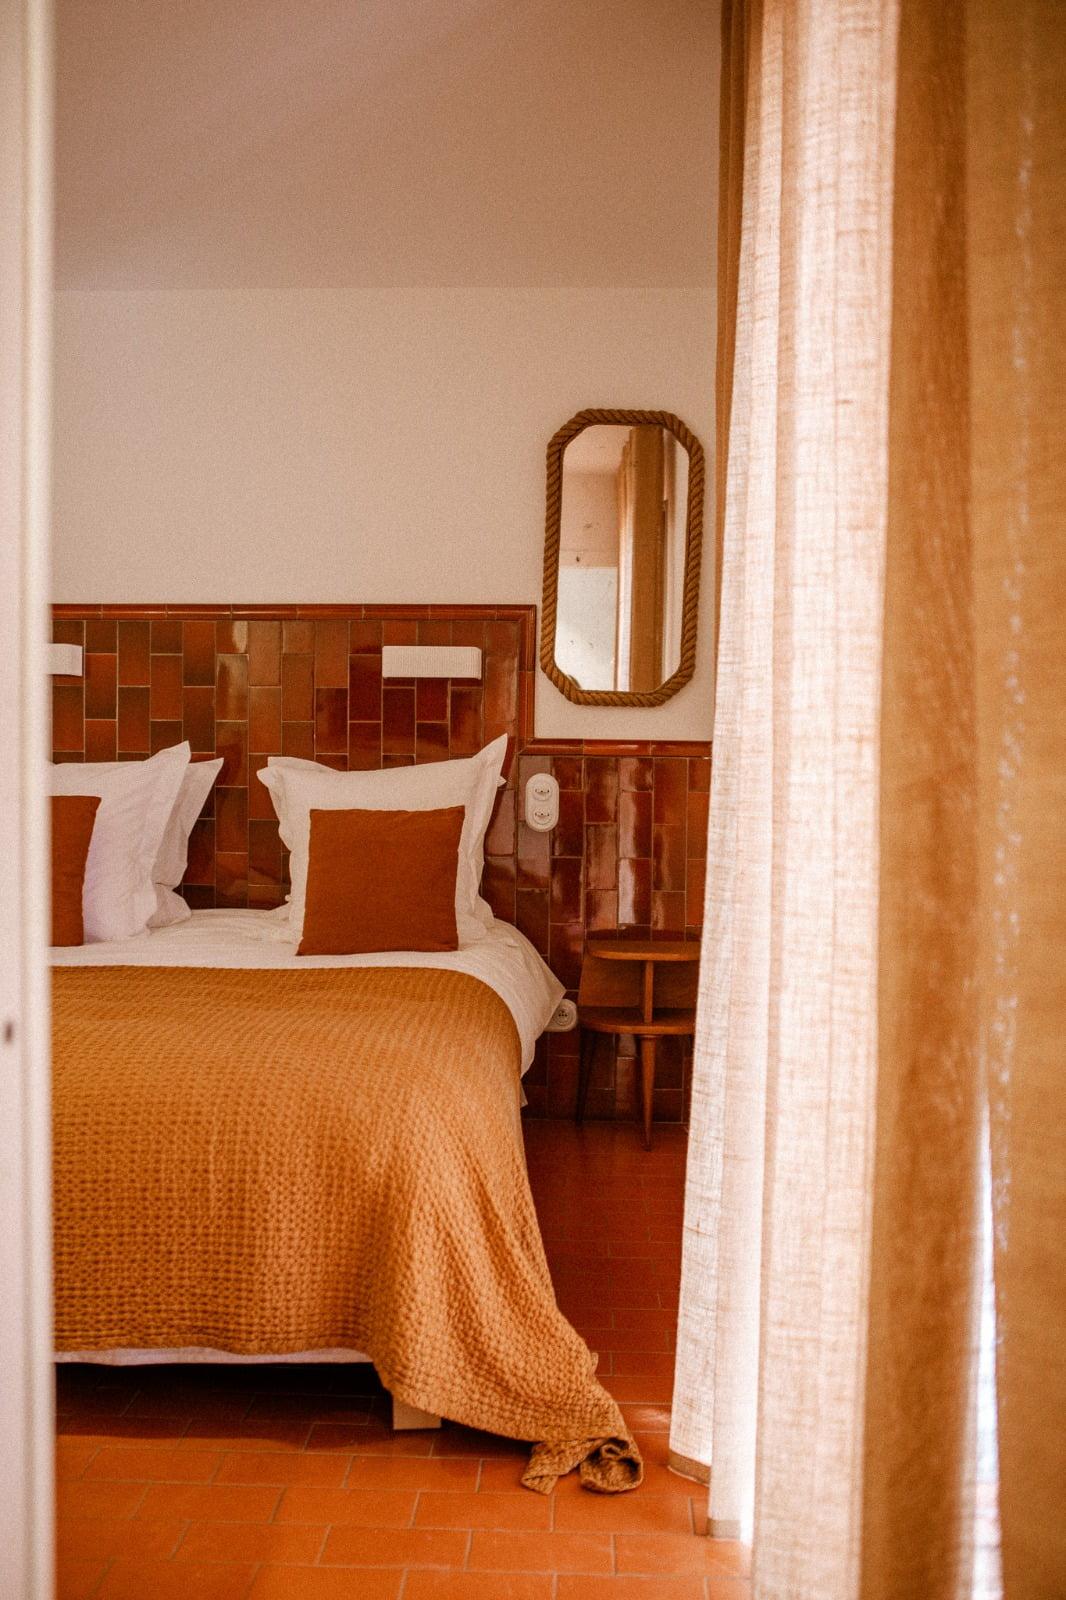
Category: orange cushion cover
[73,816]
[381,880]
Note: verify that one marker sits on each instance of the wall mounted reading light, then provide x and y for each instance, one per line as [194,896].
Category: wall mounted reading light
[430,661]
[65,660]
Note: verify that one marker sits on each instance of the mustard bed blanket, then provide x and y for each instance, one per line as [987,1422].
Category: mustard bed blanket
[272,1161]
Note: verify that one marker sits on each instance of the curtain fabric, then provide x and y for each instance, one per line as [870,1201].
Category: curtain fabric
[883,957]
[777,1205]
[732,115]
[918,1512]
[1016,233]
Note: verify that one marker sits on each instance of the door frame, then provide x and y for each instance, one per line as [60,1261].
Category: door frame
[26,1403]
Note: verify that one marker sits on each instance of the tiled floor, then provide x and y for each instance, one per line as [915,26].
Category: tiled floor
[287,1483]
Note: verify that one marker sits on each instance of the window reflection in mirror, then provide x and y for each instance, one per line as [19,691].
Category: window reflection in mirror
[621,556]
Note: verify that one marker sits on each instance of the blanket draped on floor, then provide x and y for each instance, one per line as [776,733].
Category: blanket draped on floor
[266,1162]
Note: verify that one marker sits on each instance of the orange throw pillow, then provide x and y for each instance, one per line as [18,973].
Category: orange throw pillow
[381,880]
[73,816]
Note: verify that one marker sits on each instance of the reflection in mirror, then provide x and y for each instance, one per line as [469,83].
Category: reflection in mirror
[622,540]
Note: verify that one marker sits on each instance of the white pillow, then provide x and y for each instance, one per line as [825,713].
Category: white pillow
[136,800]
[297,787]
[173,856]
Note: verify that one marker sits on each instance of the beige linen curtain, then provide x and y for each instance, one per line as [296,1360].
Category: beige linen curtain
[884,941]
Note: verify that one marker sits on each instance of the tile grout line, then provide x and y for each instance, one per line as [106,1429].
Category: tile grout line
[326,1531]
[98,1585]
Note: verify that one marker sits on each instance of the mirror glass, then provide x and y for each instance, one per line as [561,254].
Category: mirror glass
[622,537]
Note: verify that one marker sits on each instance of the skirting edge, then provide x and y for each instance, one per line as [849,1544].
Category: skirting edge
[719,1528]
[687,1467]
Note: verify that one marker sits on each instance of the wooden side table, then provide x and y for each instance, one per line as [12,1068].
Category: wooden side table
[644,987]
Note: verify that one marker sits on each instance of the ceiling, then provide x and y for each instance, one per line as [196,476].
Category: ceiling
[380,143]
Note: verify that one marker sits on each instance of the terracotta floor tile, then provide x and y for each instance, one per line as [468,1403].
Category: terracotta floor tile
[77,1577]
[73,1455]
[350,1410]
[615,1588]
[645,1362]
[657,1553]
[642,1512]
[227,1502]
[88,1404]
[412,1472]
[609,1298]
[282,1467]
[367,1508]
[396,1547]
[429,1585]
[325,1583]
[648,1388]
[598,1318]
[638,1340]
[503,1476]
[104,1537]
[260,1434]
[138,1430]
[83,1499]
[646,1320]
[541,1552]
[221,1409]
[519,1510]
[654,1251]
[251,1541]
[153,1463]
[647,1418]
[453,1440]
[369,1440]
[167,1580]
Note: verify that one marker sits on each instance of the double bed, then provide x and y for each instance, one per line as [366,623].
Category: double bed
[271,1157]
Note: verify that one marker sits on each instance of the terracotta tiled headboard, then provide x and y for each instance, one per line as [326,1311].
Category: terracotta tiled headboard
[249,682]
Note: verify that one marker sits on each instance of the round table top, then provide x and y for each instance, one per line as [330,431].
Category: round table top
[645,949]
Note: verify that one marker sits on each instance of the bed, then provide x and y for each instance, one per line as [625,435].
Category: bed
[266,1157]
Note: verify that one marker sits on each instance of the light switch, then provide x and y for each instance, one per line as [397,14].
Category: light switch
[542,802]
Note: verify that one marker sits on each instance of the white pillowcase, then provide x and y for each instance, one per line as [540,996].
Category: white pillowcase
[173,856]
[136,801]
[297,787]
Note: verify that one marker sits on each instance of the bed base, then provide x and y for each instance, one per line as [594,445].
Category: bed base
[405,1418]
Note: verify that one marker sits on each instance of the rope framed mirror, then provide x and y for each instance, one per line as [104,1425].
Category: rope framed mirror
[623,539]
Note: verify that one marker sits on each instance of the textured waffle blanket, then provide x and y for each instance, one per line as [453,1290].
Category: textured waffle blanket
[267,1162]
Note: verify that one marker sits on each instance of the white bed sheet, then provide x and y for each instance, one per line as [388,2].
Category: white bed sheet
[504,959]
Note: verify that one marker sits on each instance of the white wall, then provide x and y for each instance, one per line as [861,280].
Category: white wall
[353,445]
[333,273]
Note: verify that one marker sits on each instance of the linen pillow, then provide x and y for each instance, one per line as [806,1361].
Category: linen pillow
[73,816]
[381,880]
[173,856]
[136,800]
[296,786]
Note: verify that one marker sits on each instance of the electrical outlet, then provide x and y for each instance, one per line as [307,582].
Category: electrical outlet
[542,802]
[563,1018]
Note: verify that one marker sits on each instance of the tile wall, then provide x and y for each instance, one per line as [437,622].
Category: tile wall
[247,683]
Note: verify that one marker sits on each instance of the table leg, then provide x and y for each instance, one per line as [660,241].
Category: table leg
[647,1084]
